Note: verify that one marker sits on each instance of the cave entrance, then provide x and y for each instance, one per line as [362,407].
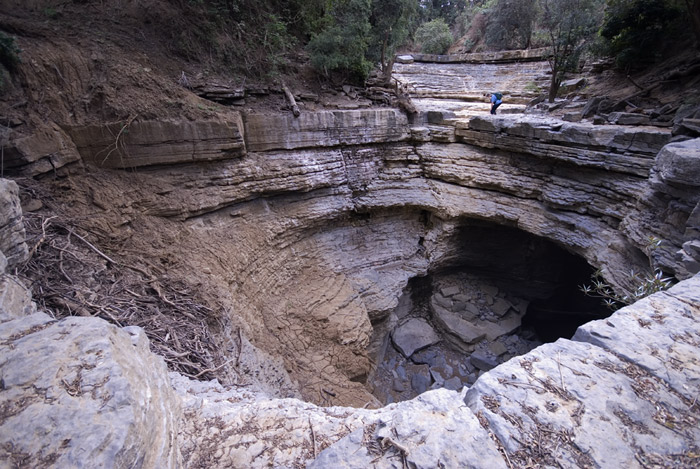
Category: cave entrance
[494,294]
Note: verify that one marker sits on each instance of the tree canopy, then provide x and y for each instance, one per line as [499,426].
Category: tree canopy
[567,25]
[347,38]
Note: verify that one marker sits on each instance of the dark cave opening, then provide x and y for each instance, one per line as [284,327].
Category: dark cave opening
[535,269]
[567,308]
[494,293]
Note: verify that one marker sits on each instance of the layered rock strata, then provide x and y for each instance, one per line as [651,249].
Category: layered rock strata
[320,241]
[622,392]
[311,228]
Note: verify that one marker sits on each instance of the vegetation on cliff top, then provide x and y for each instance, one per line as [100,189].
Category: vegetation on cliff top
[345,39]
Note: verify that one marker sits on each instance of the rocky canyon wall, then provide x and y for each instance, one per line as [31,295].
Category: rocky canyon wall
[309,229]
[81,392]
[321,220]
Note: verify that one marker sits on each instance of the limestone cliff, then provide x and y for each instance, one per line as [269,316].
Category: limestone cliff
[292,241]
[80,392]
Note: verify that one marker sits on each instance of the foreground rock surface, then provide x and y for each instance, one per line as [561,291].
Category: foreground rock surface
[82,393]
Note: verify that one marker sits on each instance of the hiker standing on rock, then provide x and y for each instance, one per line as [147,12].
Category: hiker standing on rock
[496,100]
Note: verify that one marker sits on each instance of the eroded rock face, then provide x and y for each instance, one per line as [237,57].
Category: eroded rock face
[79,392]
[596,398]
[136,143]
[311,228]
[12,243]
[320,242]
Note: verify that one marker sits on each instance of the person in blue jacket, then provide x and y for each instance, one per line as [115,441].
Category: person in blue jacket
[496,100]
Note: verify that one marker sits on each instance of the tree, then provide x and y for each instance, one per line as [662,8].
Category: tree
[390,25]
[434,37]
[448,10]
[510,24]
[568,25]
[343,41]
[693,7]
[638,30]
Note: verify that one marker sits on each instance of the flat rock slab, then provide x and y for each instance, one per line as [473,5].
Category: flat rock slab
[660,334]
[577,405]
[233,427]
[414,334]
[423,432]
[622,393]
[464,333]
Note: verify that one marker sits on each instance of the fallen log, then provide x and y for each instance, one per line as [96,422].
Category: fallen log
[292,101]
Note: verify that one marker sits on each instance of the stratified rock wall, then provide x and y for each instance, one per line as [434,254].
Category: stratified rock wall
[323,219]
[80,392]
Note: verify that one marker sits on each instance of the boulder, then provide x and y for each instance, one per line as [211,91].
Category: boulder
[569,86]
[450,291]
[497,348]
[48,149]
[501,306]
[12,235]
[421,378]
[15,300]
[627,118]
[679,163]
[454,383]
[483,361]
[461,333]
[414,334]
[84,393]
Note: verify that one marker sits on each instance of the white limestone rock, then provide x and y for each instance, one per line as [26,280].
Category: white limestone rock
[15,299]
[82,393]
[679,163]
[581,406]
[12,236]
[660,334]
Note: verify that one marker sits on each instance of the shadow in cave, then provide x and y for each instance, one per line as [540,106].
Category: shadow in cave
[559,315]
[494,293]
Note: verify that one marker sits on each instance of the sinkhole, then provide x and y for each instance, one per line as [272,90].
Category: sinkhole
[494,294]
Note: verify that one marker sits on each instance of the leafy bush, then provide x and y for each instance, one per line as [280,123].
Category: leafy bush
[9,52]
[343,42]
[511,23]
[434,37]
[638,30]
[645,284]
[9,57]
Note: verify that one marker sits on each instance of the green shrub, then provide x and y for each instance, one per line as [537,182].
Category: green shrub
[434,37]
[343,41]
[9,58]
[645,284]
[9,52]
[638,30]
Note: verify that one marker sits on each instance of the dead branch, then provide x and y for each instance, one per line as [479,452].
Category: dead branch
[69,278]
[118,141]
[292,101]
[103,255]
[211,370]
[313,437]
[42,238]
[634,82]
[387,440]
